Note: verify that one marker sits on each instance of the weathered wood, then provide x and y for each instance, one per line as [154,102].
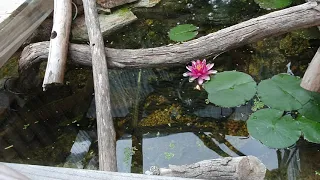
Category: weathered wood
[16,28]
[48,173]
[7,173]
[278,22]
[241,168]
[108,24]
[59,41]
[311,78]
[106,131]
[113,3]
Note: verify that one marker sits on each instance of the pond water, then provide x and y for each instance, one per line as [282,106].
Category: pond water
[160,117]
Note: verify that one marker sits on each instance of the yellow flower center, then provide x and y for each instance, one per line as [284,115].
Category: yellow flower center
[199,67]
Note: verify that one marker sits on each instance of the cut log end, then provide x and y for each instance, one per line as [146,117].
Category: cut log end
[251,168]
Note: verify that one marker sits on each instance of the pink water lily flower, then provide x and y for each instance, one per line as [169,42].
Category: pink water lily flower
[199,70]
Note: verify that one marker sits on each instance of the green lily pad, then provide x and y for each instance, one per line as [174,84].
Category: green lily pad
[230,88]
[273,4]
[183,32]
[273,129]
[283,92]
[311,110]
[310,129]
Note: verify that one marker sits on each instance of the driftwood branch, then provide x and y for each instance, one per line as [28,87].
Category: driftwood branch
[278,22]
[58,43]
[311,78]
[106,131]
[242,168]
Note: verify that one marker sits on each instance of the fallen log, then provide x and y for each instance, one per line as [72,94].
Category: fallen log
[106,131]
[241,168]
[275,23]
[59,42]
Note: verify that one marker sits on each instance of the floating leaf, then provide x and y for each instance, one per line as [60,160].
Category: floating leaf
[310,129]
[183,32]
[283,92]
[273,4]
[230,88]
[273,129]
[311,110]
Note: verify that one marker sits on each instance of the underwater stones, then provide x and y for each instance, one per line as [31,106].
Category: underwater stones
[108,24]
[146,3]
[113,3]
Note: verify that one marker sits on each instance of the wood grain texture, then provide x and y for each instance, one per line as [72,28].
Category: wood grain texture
[242,168]
[106,131]
[59,41]
[311,78]
[20,24]
[49,173]
[275,23]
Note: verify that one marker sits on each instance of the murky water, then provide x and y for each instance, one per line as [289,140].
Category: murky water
[161,119]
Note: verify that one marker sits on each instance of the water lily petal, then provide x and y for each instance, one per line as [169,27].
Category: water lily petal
[191,79]
[212,72]
[189,68]
[200,81]
[209,66]
[187,74]
[198,61]
[204,61]
[206,78]
[193,63]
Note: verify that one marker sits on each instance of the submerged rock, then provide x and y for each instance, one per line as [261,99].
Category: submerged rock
[108,24]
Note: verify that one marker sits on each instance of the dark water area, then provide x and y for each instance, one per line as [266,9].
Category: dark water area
[160,117]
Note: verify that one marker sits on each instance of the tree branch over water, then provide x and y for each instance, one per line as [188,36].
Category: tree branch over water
[275,23]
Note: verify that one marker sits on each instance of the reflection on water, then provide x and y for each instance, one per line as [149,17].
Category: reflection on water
[160,117]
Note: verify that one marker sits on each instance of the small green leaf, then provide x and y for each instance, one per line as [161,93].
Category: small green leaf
[230,88]
[311,110]
[273,4]
[283,92]
[310,129]
[273,129]
[183,32]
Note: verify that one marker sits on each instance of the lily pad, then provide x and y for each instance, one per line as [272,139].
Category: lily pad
[230,88]
[273,129]
[310,129]
[183,32]
[311,110]
[283,92]
[273,4]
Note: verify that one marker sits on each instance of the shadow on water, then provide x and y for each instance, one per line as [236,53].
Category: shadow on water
[160,117]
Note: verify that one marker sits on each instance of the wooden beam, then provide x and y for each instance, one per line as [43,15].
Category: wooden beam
[275,23]
[59,41]
[106,131]
[48,173]
[17,27]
